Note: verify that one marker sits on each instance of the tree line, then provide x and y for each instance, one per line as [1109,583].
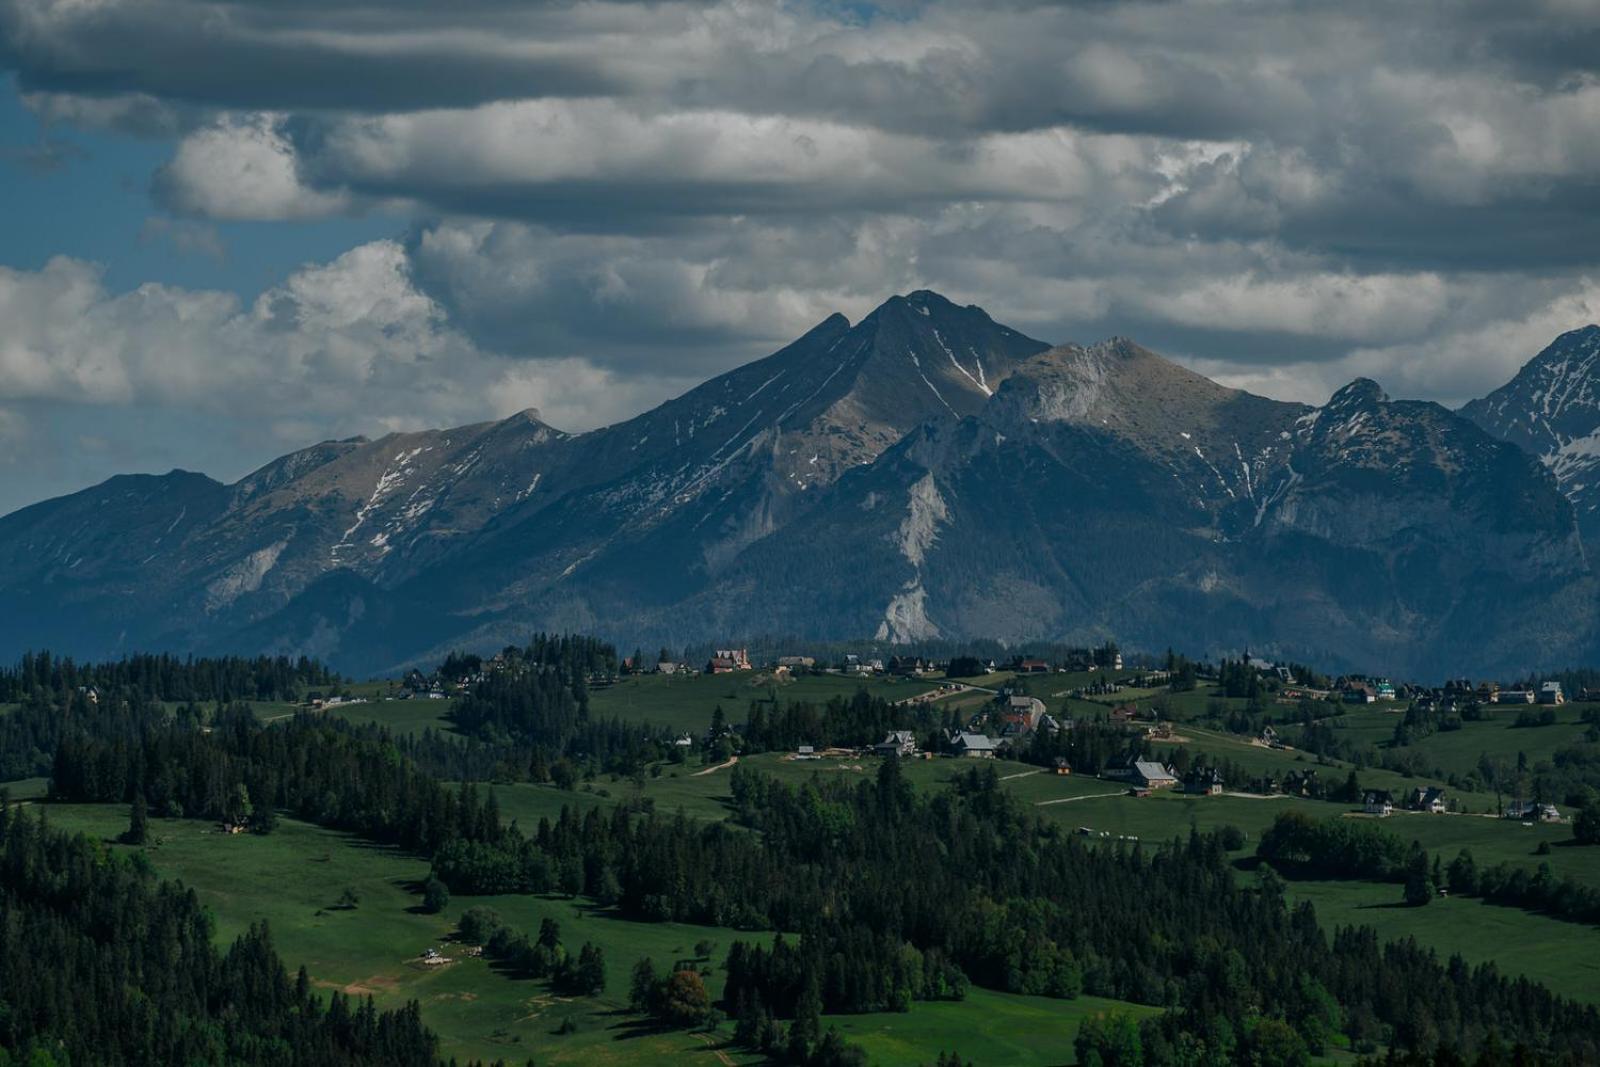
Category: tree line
[206,679]
[102,963]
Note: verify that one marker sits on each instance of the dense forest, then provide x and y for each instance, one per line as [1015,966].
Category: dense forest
[100,963]
[57,697]
[172,678]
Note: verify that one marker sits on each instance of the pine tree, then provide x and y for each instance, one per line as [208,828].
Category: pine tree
[1419,881]
[642,989]
[137,822]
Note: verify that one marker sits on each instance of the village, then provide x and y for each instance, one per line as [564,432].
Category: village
[1001,709]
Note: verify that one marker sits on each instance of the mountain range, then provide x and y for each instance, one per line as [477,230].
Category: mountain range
[924,473]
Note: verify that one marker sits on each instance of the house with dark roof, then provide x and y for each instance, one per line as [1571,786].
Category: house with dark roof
[897,743]
[1429,799]
[1203,782]
[1379,802]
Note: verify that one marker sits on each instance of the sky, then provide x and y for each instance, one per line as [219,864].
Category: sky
[232,229]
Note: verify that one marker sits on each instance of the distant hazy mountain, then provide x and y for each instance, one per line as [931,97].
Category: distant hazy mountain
[924,472]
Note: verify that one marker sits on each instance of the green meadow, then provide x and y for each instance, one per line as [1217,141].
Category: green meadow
[402,717]
[294,878]
[987,1027]
[1565,956]
[687,701]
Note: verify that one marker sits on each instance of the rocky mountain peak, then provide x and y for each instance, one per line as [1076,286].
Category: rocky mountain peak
[1360,393]
[1553,400]
[1551,409]
[1113,383]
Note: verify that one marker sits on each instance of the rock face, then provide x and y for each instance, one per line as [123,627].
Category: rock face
[924,473]
[1551,409]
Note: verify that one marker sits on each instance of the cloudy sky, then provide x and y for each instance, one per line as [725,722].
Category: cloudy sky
[235,228]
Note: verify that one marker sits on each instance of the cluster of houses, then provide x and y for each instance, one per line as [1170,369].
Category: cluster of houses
[1145,776]
[729,660]
[1381,802]
[1431,799]
[320,703]
[902,744]
[1532,811]
[1356,690]
[419,686]
[1459,692]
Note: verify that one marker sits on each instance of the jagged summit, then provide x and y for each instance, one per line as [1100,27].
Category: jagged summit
[1361,392]
[925,470]
[1551,408]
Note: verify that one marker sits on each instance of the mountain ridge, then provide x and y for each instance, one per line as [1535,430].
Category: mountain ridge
[924,472]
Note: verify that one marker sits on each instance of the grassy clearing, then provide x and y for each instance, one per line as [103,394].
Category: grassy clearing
[1495,841]
[293,877]
[1459,751]
[27,788]
[1564,956]
[987,1027]
[1168,814]
[686,701]
[701,794]
[401,717]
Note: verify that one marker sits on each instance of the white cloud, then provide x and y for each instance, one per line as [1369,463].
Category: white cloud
[344,347]
[242,167]
[1332,306]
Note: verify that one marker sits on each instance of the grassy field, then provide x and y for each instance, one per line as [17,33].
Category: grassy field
[1499,840]
[987,1028]
[1565,956]
[293,878]
[686,701]
[403,717]
[27,788]
[1459,751]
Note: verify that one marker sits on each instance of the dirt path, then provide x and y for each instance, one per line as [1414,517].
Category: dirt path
[1020,774]
[711,1044]
[1069,800]
[710,770]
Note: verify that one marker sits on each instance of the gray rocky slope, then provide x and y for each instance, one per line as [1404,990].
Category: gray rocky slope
[926,472]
